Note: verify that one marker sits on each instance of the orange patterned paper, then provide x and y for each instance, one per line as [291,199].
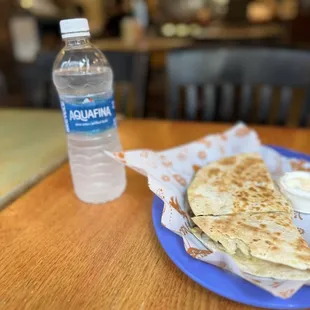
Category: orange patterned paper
[222,265]
[144,154]
[297,215]
[180,179]
[301,231]
[222,150]
[196,168]
[182,156]
[223,137]
[198,253]
[202,155]
[276,284]
[243,132]
[183,230]
[170,171]
[175,204]
[287,293]
[167,163]
[120,156]
[299,165]
[165,178]
[207,143]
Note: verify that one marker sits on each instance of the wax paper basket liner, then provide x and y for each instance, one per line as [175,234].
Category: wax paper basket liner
[170,172]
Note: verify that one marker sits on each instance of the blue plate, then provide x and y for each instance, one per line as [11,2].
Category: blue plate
[215,279]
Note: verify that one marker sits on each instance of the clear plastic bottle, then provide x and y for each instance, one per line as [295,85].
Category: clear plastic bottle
[84,81]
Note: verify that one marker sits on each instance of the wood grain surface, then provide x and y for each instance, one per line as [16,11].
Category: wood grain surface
[60,253]
[33,143]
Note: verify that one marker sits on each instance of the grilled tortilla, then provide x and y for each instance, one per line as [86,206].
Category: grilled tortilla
[240,211]
[267,236]
[255,266]
[235,185]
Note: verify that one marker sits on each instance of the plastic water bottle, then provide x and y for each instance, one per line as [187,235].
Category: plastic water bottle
[84,81]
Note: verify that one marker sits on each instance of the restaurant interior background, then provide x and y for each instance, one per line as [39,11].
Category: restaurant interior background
[138,38]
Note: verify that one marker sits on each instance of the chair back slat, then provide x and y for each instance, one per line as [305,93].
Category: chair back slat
[172,102]
[285,103]
[246,98]
[246,69]
[191,102]
[304,119]
[227,101]
[264,103]
[209,102]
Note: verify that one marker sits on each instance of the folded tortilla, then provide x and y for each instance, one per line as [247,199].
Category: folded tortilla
[241,212]
[268,236]
[255,266]
[234,185]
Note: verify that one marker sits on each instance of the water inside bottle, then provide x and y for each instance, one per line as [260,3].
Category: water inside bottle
[96,177]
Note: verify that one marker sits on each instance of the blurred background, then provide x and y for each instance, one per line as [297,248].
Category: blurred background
[137,37]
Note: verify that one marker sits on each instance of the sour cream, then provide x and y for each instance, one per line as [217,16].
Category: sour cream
[296,186]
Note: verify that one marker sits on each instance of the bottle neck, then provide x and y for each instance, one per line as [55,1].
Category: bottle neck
[77,42]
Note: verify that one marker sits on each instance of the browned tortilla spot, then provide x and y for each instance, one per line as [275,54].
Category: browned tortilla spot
[228,161]
[213,172]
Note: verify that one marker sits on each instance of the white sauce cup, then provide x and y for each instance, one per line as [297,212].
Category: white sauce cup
[296,187]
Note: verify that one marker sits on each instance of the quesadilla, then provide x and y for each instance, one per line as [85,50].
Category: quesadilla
[255,266]
[234,185]
[239,210]
[267,236]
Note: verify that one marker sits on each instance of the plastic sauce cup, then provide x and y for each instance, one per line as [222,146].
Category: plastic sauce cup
[296,187]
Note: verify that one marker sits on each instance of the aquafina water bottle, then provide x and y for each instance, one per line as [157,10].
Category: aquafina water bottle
[84,81]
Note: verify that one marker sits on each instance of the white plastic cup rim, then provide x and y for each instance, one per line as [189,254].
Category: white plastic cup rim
[300,199]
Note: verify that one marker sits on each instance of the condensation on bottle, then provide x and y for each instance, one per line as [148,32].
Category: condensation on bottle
[84,82]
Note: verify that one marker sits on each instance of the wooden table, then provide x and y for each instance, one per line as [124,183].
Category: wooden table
[32,144]
[60,253]
[140,66]
[215,32]
[224,32]
[149,44]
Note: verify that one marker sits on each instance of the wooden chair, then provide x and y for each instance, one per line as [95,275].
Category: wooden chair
[40,92]
[131,76]
[222,83]
[36,81]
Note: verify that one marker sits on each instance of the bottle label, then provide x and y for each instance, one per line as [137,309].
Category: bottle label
[90,116]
